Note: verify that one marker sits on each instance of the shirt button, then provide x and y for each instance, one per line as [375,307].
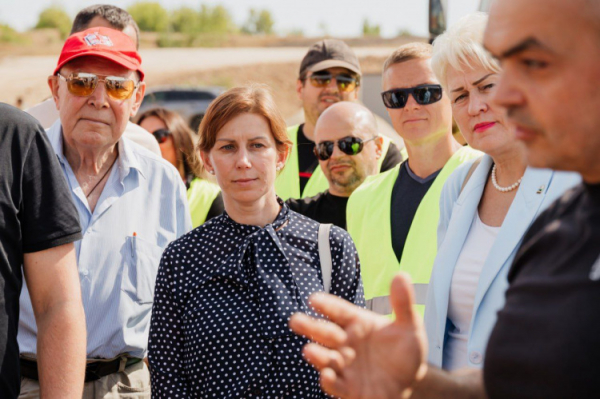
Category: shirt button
[475,357]
[256,391]
[84,272]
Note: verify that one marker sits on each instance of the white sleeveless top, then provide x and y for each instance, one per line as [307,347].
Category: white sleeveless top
[463,288]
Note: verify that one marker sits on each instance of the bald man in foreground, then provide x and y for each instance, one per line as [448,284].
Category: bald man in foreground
[348,146]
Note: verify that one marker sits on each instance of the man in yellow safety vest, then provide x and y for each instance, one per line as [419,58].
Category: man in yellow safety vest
[329,73]
[392,217]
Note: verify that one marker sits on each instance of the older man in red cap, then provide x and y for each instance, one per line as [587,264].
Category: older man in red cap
[131,204]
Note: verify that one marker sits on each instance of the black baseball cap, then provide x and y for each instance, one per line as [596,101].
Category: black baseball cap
[329,53]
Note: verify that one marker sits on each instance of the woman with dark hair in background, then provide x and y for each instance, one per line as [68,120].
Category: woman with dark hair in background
[176,146]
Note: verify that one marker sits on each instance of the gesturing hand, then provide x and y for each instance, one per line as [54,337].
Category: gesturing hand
[365,355]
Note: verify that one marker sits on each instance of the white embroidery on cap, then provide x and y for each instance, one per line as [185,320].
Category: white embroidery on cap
[95,39]
[595,272]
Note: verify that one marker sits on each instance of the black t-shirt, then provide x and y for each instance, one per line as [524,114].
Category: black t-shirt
[36,213]
[323,207]
[546,342]
[408,192]
[308,162]
[216,208]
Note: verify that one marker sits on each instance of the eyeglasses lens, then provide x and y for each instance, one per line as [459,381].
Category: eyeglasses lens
[83,84]
[161,135]
[345,83]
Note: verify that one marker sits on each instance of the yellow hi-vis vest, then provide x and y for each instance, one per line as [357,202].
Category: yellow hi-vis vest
[368,215]
[287,184]
[200,196]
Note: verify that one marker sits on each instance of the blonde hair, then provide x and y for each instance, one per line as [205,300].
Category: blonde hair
[460,47]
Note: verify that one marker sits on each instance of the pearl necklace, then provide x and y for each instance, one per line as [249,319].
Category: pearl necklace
[500,188]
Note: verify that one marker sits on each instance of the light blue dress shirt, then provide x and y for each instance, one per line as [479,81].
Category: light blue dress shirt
[142,208]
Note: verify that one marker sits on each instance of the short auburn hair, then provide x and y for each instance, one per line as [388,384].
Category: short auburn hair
[408,52]
[250,99]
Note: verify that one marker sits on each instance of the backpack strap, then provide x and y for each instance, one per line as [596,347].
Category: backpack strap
[325,255]
[470,173]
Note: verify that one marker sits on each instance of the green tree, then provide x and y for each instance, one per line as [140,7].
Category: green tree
[185,20]
[55,17]
[150,16]
[215,20]
[371,30]
[260,23]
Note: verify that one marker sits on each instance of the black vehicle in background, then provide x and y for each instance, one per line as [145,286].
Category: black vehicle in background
[438,15]
[189,102]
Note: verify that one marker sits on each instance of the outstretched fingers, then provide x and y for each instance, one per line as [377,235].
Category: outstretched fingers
[338,310]
[318,330]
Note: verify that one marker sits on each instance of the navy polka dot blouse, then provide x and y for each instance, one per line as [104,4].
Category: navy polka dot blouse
[224,295]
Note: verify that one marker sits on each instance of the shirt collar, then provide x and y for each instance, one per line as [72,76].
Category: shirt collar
[127,160]
[280,221]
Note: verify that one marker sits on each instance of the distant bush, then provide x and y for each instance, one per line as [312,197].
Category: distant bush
[185,20]
[57,18]
[370,30]
[150,16]
[259,22]
[9,35]
[216,20]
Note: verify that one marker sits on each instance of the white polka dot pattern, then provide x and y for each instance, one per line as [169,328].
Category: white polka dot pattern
[224,295]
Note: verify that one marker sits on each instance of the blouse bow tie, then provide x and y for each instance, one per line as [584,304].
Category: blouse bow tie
[260,265]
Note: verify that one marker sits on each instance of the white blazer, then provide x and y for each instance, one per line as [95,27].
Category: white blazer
[538,189]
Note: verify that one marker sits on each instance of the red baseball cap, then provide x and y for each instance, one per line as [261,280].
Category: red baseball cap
[107,43]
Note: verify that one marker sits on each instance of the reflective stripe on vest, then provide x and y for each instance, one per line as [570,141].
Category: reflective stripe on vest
[382,305]
[200,196]
[368,215]
[287,184]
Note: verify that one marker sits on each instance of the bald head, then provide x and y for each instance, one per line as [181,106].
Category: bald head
[345,172]
[350,118]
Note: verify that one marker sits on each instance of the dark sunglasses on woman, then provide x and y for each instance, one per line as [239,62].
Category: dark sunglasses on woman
[423,95]
[348,145]
[161,135]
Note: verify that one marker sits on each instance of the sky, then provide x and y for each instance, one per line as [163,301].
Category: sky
[338,18]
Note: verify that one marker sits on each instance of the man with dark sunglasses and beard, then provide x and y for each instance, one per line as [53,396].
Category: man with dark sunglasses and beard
[393,217]
[131,205]
[348,148]
[329,73]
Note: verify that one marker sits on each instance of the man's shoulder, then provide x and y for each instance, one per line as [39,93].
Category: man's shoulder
[373,185]
[304,205]
[149,161]
[18,124]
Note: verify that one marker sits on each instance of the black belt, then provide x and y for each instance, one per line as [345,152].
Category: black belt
[93,371]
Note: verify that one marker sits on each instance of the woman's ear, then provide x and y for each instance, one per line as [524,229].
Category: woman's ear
[206,162]
[282,157]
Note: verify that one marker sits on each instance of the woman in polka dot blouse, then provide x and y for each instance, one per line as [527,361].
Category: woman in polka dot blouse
[226,290]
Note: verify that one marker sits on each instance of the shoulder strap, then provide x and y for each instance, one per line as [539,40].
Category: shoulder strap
[470,173]
[325,255]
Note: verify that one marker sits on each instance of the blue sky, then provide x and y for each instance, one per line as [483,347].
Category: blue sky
[342,18]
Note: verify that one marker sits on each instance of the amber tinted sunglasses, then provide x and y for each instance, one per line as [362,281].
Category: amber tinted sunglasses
[344,81]
[83,84]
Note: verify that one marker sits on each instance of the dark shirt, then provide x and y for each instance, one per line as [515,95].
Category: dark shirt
[36,213]
[323,207]
[308,162]
[216,208]
[224,295]
[408,192]
[546,341]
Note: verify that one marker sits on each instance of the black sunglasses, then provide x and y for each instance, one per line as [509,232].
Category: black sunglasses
[161,135]
[348,145]
[423,95]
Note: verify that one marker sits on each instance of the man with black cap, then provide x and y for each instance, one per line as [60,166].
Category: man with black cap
[329,73]
[131,204]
